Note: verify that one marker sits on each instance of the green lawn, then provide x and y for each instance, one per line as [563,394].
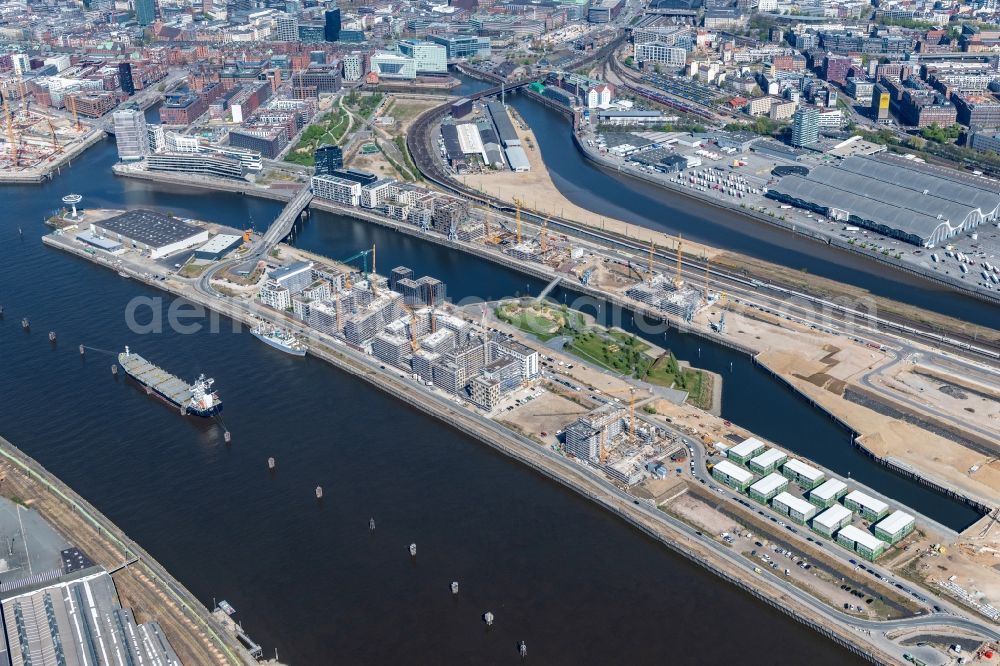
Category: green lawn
[613,350]
[330,129]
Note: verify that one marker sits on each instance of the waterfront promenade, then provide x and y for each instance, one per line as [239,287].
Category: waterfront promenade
[861,636]
[142,583]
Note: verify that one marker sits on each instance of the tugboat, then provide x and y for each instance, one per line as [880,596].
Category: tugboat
[279,339]
[197,399]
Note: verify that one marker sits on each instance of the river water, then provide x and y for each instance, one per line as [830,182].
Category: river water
[309,579]
[643,204]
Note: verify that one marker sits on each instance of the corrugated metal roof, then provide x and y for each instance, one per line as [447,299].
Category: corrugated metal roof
[898,195]
[502,121]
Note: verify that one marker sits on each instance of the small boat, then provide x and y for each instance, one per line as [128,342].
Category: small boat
[227,607]
[124,275]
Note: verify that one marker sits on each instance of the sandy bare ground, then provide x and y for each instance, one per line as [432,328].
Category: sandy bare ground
[536,189]
[935,457]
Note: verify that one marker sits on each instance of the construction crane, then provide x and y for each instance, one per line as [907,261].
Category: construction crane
[542,240]
[677,275]
[374,275]
[517,217]
[707,262]
[652,248]
[363,255]
[55,141]
[336,301]
[71,99]
[24,96]
[413,330]
[11,134]
[430,298]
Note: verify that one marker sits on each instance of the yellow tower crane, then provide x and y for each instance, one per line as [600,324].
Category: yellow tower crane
[543,241]
[336,300]
[11,134]
[24,96]
[517,217]
[631,422]
[55,142]
[71,100]
[413,331]
[707,262]
[677,275]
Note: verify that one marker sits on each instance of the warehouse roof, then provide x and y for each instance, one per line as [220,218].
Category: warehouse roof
[828,489]
[505,129]
[732,471]
[518,158]
[768,457]
[832,516]
[149,227]
[804,470]
[219,243]
[895,521]
[867,501]
[893,193]
[860,536]
[795,503]
[747,447]
[452,144]
[769,483]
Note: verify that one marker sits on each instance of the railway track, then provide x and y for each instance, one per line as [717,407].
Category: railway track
[426,160]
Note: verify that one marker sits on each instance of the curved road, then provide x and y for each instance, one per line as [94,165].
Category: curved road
[589,482]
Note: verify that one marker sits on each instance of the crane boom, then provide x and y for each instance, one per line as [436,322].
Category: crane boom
[11,135]
[651,249]
[677,276]
[707,262]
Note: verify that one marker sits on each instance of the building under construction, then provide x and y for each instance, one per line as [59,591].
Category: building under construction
[672,297]
[33,139]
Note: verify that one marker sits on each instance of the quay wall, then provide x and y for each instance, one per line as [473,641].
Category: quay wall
[573,477]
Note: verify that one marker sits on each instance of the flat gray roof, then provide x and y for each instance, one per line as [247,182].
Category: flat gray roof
[149,227]
[897,193]
[505,129]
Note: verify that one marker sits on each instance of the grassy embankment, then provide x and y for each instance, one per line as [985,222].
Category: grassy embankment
[330,129]
[613,350]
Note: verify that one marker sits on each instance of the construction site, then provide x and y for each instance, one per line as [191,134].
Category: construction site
[36,141]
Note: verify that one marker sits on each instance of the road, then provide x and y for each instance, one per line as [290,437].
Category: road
[584,479]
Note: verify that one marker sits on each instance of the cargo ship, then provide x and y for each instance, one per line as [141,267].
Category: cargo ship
[198,398]
[279,339]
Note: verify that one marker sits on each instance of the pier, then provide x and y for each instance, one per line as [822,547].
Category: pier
[585,480]
[140,580]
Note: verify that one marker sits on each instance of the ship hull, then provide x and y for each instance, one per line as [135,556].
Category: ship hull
[294,351]
[169,399]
